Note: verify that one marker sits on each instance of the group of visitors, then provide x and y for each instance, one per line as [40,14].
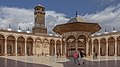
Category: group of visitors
[78,57]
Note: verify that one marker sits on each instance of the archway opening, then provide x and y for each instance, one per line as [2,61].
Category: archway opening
[71,45]
[82,43]
[20,46]
[2,45]
[90,48]
[111,46]
[58,47]
[29,46]
[118,46]
[38,46]
[46,47]
[11,45]
[52,47]
[103,47]
[96,46]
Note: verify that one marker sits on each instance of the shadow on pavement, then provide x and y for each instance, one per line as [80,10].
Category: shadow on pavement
[4,62]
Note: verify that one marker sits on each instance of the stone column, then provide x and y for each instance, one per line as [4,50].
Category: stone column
[99,46]
[25,47]
[65,47]
[115,46]
[16,47]
[5,46]
[106,46]
[55,48]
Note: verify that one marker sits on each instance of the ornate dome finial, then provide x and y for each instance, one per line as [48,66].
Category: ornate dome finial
[76,13]
[9,26]
[114,28]
[105,30]
[19,28]
[39,5]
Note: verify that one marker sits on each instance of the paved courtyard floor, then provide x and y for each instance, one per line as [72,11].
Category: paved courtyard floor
[48,61]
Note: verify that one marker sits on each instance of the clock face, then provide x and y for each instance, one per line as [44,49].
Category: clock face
[42,25]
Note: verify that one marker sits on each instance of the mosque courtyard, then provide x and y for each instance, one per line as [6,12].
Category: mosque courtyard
[48,61]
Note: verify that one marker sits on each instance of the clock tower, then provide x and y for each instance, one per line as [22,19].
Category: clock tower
[39,23]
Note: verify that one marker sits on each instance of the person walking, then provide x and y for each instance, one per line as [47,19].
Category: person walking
[81,55]
[57,54]
[75,55]
[96,55]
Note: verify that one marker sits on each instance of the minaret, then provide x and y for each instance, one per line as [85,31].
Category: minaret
[39,24]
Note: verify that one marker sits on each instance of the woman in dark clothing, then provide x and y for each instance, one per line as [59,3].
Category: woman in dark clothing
[81,55]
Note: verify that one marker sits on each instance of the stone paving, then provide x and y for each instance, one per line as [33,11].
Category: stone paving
[48,61]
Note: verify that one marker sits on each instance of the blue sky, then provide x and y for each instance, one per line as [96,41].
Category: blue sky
[20,12]
[65,6]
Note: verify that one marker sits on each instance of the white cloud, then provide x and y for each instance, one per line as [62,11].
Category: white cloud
[16,17]
[105,2]
[53,19]
[108,18]
[25,18]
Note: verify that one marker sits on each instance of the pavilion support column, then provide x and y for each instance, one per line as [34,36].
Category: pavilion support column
[106,47]
[25,47]
[16,47]
[5,46]
[99,47]
[65,47]
[115,47]
[61,48]
[87,48]
[92,47]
